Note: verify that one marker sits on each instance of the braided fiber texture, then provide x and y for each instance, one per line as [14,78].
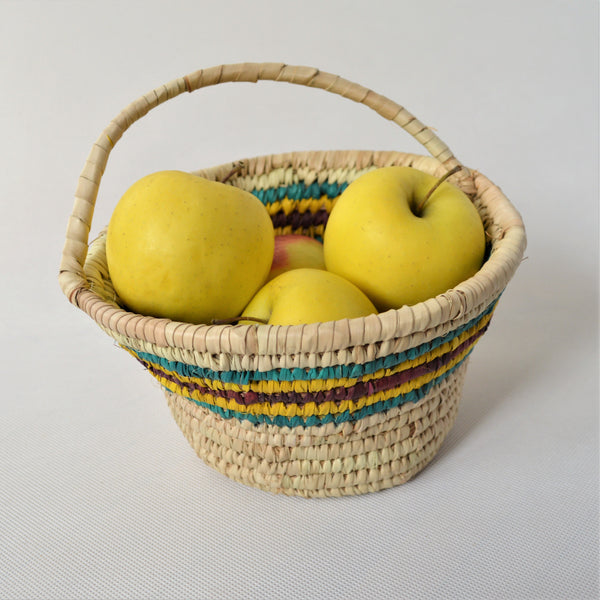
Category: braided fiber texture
[337,408]
[373,454]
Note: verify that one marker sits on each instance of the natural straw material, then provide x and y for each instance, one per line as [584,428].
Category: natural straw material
[336,408]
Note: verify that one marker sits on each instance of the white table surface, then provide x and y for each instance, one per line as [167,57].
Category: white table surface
[101,496]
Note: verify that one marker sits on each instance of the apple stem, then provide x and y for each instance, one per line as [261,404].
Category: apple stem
[232,320]
[236,169]
[435,186]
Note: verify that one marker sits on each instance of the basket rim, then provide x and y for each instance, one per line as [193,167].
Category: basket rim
[452,306]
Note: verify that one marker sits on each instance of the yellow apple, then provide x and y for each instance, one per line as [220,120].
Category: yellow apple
[307,296]
[185,248]
[294,251]
[396,249]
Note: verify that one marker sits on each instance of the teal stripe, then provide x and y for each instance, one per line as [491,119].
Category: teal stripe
[378,407]
[300,191]
[349,371]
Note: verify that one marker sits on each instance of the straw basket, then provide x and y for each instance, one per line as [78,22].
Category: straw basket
[327,409]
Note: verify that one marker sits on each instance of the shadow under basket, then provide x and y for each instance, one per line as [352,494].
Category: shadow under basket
[326,409]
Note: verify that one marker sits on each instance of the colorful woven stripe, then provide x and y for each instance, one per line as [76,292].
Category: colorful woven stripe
[292,397]
[316,420]
[300,191]
[300,208]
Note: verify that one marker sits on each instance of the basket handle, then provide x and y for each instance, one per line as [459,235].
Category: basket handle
[71,275]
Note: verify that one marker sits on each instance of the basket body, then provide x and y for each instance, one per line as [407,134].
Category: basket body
[330,409]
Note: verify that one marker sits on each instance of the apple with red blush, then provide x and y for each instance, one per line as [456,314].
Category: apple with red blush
[296,251]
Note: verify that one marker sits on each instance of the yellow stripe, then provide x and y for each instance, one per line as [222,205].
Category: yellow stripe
[311,408]
[321,385]
[288,205]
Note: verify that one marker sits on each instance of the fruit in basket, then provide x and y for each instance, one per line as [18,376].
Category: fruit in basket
[294,251]
[402,238]
[307,296]
[185,248]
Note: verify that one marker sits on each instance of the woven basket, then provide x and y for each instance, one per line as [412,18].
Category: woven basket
[327,409]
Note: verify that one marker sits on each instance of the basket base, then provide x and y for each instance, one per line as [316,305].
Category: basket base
[372,454]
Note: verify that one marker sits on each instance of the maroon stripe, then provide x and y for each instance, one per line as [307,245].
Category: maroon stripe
[338,394]
[297,219]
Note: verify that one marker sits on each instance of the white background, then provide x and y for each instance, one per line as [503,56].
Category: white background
[100,494]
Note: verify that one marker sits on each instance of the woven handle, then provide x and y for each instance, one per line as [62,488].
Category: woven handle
[71,276]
